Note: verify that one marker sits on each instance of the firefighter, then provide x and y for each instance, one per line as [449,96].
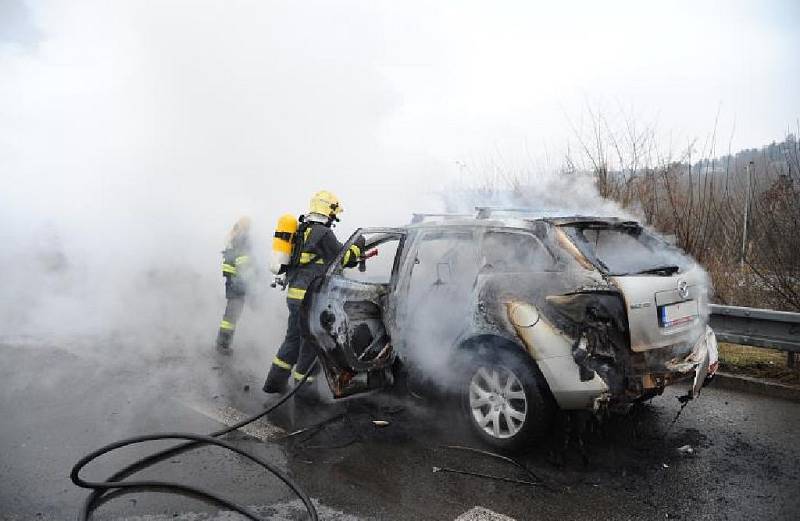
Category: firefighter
[236,268]
[315,246]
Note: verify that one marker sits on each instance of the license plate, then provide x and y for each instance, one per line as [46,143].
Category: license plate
[675,314]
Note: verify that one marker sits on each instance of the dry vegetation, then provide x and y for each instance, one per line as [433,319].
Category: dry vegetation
[737,214]
[754,361]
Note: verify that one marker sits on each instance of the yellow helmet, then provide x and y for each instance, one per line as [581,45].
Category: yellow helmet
[239,230]
[242,225]
[325,203]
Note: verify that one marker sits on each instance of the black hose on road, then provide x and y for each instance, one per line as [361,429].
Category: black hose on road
[102,490]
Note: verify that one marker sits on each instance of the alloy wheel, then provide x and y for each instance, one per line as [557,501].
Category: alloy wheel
[497,401]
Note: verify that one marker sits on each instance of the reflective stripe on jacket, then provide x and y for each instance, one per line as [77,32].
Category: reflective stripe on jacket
[236,267]
[318,248]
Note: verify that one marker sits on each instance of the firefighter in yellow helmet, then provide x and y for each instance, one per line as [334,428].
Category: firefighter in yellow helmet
[314,247]
[237,271]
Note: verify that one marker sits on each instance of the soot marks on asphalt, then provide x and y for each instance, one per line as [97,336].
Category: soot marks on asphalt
[632,459]
[691,437]
[754,460]
[622,451]
[321,428]
[571,431]
[579,442]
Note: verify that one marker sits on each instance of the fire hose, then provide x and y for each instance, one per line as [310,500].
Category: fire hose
[103,491]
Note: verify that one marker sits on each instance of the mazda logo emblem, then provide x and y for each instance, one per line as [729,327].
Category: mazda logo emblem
[683,289]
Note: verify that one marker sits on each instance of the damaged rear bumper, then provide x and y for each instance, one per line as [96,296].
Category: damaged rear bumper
[594,364]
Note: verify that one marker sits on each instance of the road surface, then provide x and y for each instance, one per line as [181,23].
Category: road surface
[62,399]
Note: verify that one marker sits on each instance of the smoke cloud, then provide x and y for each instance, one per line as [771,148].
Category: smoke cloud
[134,134]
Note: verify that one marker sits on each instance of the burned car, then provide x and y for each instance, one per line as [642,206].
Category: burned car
[519,314]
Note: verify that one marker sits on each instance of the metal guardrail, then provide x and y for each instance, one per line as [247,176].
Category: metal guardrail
[757,327]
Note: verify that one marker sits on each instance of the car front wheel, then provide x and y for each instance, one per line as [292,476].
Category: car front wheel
[505,404]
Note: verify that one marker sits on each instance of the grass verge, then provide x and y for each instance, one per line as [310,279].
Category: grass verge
[757,362]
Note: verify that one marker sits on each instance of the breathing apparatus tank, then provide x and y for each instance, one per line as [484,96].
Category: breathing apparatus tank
[282,243]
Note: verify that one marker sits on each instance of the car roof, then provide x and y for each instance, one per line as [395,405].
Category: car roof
[521,221]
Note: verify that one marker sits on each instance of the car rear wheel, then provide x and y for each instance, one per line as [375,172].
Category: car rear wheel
[505,404]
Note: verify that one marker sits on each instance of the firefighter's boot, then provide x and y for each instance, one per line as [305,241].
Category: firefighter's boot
[224,338]
[277,380]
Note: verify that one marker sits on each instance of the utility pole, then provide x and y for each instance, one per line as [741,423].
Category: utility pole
[746,211]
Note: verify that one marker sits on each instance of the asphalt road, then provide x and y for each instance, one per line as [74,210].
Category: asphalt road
[61,399]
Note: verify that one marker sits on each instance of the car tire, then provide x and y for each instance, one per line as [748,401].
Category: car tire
[506,400]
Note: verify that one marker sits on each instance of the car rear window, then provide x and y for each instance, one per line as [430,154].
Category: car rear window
[626,249]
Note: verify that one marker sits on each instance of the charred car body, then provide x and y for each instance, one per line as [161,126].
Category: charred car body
[520,314]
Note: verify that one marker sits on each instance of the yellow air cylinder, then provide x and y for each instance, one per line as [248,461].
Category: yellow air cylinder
[282,242]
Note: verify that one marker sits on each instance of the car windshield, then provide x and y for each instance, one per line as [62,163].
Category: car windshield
[626,249]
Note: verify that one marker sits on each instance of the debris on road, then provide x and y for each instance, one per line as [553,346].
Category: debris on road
[313,429]
[686,450]
[380,423]
[514,462]
[487,476]
[684,400]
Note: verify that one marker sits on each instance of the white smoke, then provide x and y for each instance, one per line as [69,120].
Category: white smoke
[542,193]
[134,134]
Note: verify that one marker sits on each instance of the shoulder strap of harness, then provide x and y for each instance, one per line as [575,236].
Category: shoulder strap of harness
[311,246]
[298,244]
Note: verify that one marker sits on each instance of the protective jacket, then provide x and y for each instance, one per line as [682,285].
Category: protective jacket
[236,267]
[318,247]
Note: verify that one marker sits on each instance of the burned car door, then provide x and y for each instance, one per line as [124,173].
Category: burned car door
[437,286]
[350,313]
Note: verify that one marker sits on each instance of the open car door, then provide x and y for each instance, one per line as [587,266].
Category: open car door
[349,311]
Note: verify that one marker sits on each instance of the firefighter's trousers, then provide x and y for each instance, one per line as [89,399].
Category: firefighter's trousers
[295,355]
[233,310]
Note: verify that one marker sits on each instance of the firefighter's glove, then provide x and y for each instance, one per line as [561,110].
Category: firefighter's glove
[360,244]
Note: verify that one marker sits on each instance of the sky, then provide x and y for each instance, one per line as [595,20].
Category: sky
[134,133]
[517,71]
[398,92]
